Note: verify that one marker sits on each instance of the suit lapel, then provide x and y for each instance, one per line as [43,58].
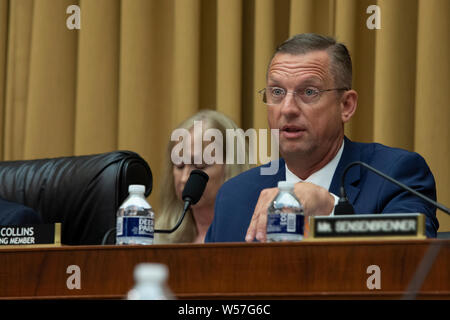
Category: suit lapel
[350,154]
[271,181]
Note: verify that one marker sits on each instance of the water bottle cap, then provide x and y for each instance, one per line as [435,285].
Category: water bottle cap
[151,272]
[285,185]
[136,188]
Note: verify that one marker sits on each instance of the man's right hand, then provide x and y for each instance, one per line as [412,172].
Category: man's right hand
[315,200]
[258,224]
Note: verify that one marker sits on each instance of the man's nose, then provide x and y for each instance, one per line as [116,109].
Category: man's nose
[289,105]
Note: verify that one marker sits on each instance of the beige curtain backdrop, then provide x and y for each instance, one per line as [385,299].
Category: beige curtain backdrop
[137,68]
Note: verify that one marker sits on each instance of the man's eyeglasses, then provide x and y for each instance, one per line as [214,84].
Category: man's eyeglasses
[273,96]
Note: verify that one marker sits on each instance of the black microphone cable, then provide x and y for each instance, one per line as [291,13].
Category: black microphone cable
[192,192]
[345,201]
[187,204]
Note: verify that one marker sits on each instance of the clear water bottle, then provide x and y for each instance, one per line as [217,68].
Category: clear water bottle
[150,283]
[285,218]
[135,218]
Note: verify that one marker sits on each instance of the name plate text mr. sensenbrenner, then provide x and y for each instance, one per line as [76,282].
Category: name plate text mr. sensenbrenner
[358,226]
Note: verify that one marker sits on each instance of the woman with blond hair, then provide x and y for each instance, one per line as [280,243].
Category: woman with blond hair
[199,217]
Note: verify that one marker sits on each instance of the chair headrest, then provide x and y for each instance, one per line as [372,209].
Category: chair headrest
[82,192]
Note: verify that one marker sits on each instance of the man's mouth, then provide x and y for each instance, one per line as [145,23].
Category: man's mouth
[292,131]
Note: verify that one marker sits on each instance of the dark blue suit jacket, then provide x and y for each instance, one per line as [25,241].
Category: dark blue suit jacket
[16,214]
[368,192]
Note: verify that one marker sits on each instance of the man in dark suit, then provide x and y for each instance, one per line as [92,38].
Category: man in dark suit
[309,99]
[15,214]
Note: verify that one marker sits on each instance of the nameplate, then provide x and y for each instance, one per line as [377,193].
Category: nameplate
[30,235]
[368,226]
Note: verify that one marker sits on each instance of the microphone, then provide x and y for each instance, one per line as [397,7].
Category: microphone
[195,186]
[345,207]
[192,192]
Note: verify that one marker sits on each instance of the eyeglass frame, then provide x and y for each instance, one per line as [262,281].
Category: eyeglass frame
[263,92]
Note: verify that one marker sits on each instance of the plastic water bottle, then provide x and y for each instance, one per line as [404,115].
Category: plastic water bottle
[135,218]
[150,283]
[285,219]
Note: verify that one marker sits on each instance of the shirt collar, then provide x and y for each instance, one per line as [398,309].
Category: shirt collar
[321,178]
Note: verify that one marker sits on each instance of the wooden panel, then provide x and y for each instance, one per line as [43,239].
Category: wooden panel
[241,270]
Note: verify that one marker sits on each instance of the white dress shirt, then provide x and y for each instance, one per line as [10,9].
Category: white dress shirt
[321,178]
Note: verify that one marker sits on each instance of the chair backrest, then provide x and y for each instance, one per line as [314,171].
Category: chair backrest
[81,192]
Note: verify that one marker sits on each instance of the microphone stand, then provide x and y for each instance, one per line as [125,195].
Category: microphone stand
[422,271]
[401,185]
[187,204]
[193,190]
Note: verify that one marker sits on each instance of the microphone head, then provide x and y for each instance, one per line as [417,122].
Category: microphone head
[195,186]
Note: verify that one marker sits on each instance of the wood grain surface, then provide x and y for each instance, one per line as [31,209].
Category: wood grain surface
[304,270]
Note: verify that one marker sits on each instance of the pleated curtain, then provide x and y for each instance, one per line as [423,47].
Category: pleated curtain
[137,68]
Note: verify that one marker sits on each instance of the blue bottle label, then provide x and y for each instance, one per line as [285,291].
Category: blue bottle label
[285,223]
[135,227]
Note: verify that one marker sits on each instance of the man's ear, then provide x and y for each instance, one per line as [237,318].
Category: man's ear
[349,102]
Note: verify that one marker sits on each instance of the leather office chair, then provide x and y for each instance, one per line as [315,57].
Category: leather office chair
[81,192]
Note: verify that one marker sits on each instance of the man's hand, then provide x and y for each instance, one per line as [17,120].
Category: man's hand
[258,224]
[316,201]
